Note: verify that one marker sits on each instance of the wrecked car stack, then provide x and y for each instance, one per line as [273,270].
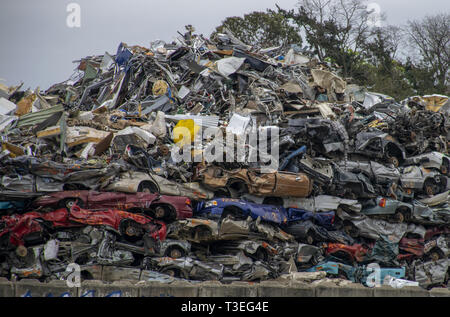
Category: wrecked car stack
[97,170]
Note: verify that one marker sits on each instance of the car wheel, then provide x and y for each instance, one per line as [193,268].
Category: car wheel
[175,253]
[393,160]
[68,203]
[160,212]
[21,251]
[130,229]
[399,216]
[309,238]
[436,255]
[429,187]
[148,187]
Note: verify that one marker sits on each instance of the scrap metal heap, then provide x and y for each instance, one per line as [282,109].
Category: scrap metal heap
[88,174]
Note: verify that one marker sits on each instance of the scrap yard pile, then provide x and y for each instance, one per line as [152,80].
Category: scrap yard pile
[94,171]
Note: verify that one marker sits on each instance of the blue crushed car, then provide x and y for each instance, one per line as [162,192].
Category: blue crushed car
[222,207]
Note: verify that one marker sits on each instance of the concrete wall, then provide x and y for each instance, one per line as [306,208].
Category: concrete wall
[127,288]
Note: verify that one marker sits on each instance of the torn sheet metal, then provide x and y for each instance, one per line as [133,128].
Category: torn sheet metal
[203,121]
[7,107]
[238,124]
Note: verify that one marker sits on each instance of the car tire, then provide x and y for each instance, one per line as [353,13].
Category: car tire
[165,213]
[175,252]
[130,230]
[429,187]
[436,255]
[148,187]
[393,160]
[401,215]
[68,203]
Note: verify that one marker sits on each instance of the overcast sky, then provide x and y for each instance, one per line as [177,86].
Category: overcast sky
[38,47]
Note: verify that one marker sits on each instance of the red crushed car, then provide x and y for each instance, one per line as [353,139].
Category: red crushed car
[31,225]
[410,248]
[435,231]
[125,223]
[18,229]
[157,206]
[350,253]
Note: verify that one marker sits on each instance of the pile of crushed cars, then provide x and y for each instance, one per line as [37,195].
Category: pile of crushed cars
[88,176]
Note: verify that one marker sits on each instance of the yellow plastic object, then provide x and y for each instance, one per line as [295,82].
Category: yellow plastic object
[377,124]
[185,131]
[434,102]
[160,88]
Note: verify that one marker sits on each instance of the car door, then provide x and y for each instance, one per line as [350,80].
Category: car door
[292,185]
[106,200]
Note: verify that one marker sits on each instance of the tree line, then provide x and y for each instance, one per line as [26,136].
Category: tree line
[399,61]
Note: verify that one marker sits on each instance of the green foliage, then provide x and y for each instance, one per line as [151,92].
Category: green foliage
[366,55]
[262,29]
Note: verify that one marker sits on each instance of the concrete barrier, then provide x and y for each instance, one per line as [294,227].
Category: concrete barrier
[235,289]
[439,292]
[6,288]
[350,290]
[407,291]
[277,289]
[96,288]
[174,289]
[34,288]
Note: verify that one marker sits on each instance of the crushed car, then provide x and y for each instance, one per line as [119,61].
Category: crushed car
[157,206]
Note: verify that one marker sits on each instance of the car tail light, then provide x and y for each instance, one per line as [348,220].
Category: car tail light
[188,201]
[382,202]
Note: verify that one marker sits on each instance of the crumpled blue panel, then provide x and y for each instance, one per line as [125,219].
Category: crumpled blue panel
[123,55]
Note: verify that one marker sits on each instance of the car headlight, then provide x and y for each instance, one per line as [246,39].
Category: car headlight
[211,203]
